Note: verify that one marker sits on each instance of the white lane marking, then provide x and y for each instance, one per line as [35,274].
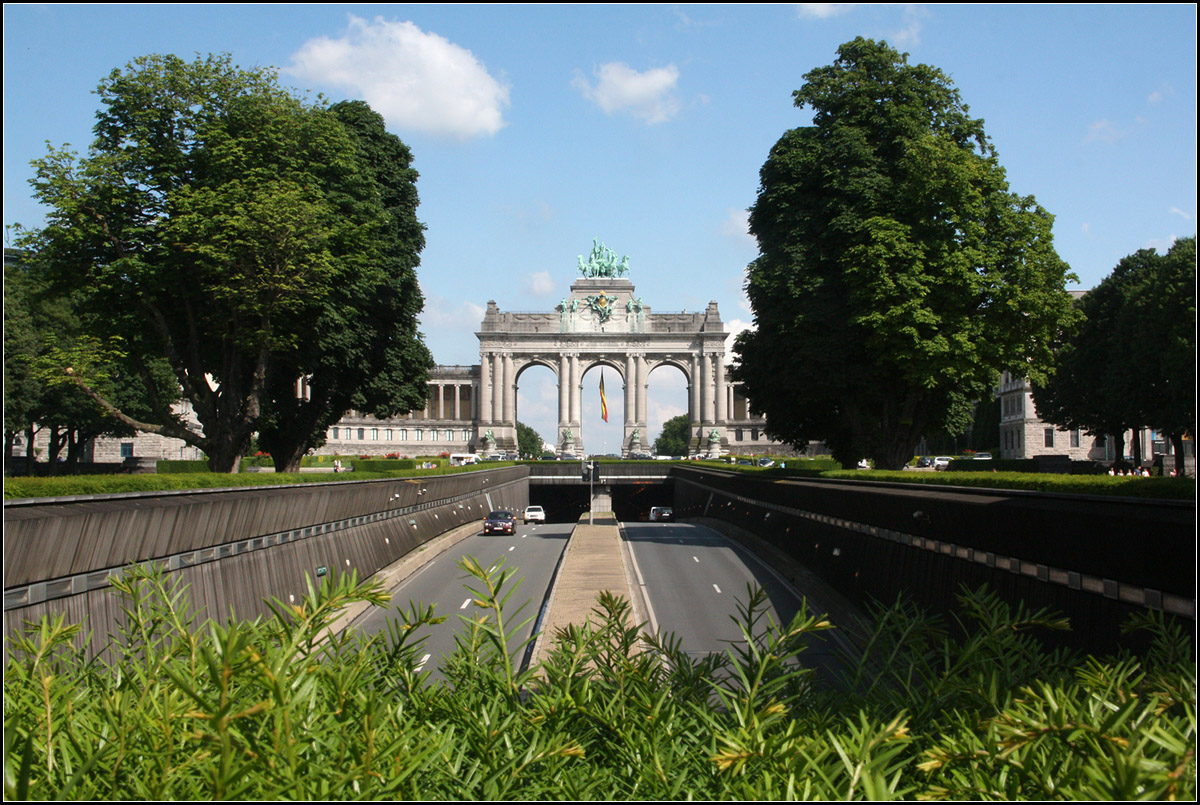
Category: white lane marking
[694,559]
[465,604]
[718,589]
[513,548]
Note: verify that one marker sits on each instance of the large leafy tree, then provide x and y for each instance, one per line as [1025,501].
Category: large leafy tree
[896,272]
[212,221]
[362,350]
[1130,360]
[529,441]
[676,433]
[43,331]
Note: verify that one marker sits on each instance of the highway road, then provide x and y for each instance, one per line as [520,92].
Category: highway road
[691,580]
[694,579]
[534,550]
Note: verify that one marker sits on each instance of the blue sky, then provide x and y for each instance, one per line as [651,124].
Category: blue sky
[538,128]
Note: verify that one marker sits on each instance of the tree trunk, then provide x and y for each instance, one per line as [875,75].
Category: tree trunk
[1177,448]
[1119,439]
[1137,446]
[225,456]
[287,457]
[30,455]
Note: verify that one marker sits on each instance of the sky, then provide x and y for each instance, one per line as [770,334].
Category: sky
[538,128]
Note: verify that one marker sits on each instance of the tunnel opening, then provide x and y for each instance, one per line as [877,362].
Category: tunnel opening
[566,503]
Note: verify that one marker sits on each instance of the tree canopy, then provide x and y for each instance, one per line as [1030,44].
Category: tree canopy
[675,437]
[249,238]
[529,441]
[1131,359]
[897,274]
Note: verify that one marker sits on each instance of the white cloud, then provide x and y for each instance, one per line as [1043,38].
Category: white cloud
[1184,215]
[1162,245]
[648,95]
[1104,131]
[441,313]
[418,81]
[910,35]
[736,226]
[539,284]
[735,327]
[823,10]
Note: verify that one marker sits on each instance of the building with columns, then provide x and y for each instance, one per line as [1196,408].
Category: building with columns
[600,323]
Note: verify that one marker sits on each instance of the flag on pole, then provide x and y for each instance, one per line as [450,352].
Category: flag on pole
[603,402]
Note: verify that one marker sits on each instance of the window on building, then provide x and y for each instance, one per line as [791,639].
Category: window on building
[404,434]
[739,434]
[1075,438]
[333,433]
[362,434]
[1049,437]
[419,435]
[466,436]
[126,449]
[754,435]
[374,434]
[387,435]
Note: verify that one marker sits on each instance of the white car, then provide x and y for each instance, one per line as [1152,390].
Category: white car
[941,462]
[535,514]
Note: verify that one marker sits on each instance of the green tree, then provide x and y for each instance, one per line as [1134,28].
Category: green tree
[529,442]
[212,218]
[1130,361]
[43,332]
[675,437]
[897,275]
[363,350]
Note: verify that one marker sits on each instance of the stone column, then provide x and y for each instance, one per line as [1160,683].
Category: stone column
[576,381]
[694,412]
[564,405]
[706,405]
[497,387]
[721,391]
[485,388]
[457,402]
[631,395]
[510,394]
[643,385]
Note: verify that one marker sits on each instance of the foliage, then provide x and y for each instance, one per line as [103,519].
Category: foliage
[897,274]
[282,708]
[361,349]
[214,223]
[675,437]
[529,441]
[1131,360]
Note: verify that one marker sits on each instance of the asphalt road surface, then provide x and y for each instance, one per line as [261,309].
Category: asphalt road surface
[534,550]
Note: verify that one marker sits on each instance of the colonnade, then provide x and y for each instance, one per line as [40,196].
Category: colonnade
[710,395]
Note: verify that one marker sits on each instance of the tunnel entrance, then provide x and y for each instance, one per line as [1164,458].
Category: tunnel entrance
[566,503]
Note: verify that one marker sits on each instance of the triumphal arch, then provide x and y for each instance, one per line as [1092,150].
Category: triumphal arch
[602,322]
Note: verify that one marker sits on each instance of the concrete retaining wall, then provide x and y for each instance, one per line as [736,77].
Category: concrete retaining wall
[1096,560]
[233,548]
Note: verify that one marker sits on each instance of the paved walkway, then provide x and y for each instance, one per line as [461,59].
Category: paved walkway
[592,563]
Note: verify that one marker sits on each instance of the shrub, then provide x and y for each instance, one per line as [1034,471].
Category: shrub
[279,708]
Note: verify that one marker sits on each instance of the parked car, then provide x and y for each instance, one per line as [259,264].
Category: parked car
[500,522]
[766,462]
[534,513]
[983,456]
[661,514]
[941,462]
[924,462]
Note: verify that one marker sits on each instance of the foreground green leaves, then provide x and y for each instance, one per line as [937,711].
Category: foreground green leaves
[281,708]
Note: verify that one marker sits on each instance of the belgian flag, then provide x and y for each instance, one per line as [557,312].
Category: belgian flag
[603,402]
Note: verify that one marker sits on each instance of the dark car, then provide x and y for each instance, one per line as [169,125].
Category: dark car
[662,514]
[500,522]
